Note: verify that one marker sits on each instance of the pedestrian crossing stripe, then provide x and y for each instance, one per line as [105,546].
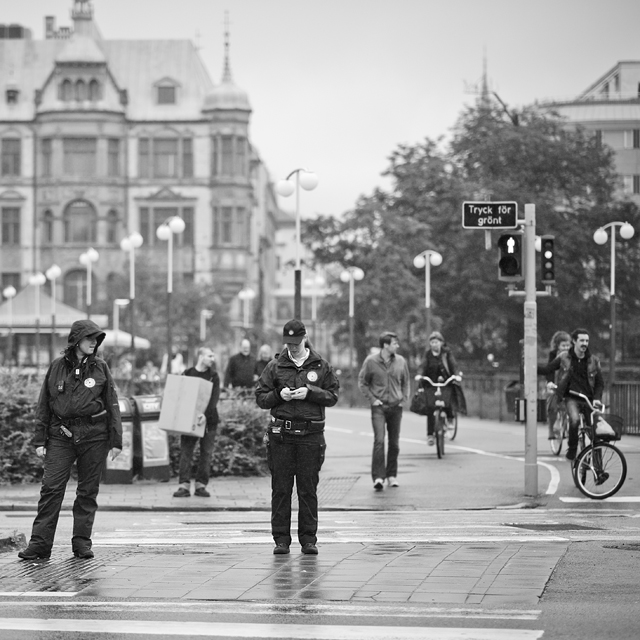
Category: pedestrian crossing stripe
[259,631]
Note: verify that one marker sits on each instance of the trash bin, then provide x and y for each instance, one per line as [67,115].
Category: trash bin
[120,470]
[150,443]
[512,394]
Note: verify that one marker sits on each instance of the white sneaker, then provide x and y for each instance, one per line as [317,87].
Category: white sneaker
[392,481]
[378,485]
[431,440]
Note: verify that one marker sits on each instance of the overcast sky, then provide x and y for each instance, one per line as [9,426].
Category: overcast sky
[336,85]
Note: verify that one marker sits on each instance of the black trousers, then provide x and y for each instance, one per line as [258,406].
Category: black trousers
[296,458]
[61,454]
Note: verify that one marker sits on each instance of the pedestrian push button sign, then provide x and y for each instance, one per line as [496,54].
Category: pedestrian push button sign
[489,215]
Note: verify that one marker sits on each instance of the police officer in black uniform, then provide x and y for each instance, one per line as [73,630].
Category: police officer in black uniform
[296,386]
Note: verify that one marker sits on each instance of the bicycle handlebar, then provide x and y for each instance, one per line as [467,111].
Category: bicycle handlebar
[588,402]
[440,384]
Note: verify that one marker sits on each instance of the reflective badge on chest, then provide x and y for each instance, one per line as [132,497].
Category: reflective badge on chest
[89,382]
[312,376]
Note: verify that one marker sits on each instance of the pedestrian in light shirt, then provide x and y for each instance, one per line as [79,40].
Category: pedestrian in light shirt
[384,380]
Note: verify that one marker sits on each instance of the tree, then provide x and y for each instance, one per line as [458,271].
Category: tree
[564,172]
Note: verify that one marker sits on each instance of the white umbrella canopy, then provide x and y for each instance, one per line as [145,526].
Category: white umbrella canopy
[122,340]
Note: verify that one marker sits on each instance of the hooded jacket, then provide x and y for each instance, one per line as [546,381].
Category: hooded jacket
[73,391]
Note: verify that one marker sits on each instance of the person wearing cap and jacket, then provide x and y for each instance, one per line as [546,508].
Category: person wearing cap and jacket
[439,364]
[296,387]
[77,420]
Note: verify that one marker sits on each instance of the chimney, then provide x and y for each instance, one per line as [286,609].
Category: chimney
[82,14]
[49,27]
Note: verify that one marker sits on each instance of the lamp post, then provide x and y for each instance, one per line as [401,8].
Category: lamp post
[600,237]
[426,259]
[166,231]
[9,293]
[308,181]
[350,275]
[129,244]
[117,304]
[205,314]
[53,273]
[314,284]
[246,295]
[37,280]
[87,259]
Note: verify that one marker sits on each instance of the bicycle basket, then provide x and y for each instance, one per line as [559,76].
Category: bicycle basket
[615,422]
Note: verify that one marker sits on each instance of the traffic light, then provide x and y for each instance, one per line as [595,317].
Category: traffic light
[510,263]
[548,260]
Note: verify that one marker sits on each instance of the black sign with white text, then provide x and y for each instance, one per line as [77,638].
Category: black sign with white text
[489,215]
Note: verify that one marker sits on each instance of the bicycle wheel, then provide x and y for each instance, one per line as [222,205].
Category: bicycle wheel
[601,470]
[452,427]
[559,431]
[440,429]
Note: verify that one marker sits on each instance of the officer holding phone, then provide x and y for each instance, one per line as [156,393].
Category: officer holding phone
[296,386]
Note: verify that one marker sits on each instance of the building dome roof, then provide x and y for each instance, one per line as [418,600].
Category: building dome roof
[227,96]
[81,49]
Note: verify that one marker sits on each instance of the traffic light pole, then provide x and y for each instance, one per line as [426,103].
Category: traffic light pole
[530,353]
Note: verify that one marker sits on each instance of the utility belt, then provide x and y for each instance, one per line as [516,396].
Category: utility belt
[81,421]
[296,428]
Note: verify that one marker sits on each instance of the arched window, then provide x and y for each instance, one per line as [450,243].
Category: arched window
[81,90]
[66,90]
[75,288]
[47,227]
[80,222]
[112,226]
[94,90]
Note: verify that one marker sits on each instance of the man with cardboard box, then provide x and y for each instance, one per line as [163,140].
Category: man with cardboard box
[205,368]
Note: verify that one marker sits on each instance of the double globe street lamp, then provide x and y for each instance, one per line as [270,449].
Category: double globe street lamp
[10,293]
[350,275]
[600,237]
[246,295]
[37,280]
[129,244]
[425,260]
[308,181]
[170,227]
[87,259]
[53,273]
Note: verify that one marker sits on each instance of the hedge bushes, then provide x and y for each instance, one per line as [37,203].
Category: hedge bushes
[238,452]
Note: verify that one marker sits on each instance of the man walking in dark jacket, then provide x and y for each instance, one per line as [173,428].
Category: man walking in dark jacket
[296,387]
[206,369]
[77,420]
[239,373]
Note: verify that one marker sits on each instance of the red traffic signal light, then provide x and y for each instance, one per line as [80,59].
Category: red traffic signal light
[510,261]
[548,259]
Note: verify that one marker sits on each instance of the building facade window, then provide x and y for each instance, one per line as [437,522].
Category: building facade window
[94,90]
[79,156]
[75,285]
[598,135]
[152,217]
[11,156]
[166,95]
[636,184]
[241,157]
[66,90]
[143,158]
[11,279]
[187,158]
[230,226]
[45,145]
[113,157]
[636,138]
[47,227]
[226,160]
[112,226]
[229,156]
[81,90]
[10,226]
[79,221]
[165,158]
[12,96]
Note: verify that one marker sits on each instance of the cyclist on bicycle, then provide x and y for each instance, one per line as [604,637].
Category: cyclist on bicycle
[560,342]
[578,370]
[439,364]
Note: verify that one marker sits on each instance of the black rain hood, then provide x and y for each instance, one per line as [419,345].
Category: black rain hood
[82,329]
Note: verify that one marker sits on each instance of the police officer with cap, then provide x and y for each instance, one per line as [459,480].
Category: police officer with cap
[296,387]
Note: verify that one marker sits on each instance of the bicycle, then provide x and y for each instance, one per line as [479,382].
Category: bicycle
[599,469]
[443,428]
[560,428]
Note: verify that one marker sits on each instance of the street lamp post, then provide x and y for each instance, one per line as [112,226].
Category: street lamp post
[246,295]
[308,181]
[205,314]
[350,275]
[37,280]
[426,259]
[117,304]
[87,259]
[600,237]
[9,293]
[53,273]
[129,244]
[314,284]
[166,231]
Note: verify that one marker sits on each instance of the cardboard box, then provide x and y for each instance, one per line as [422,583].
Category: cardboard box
[184,401]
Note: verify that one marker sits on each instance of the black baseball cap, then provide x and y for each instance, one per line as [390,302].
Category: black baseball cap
[294,331]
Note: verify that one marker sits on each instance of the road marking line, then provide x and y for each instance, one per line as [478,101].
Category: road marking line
[249,630]
[338,429]
[613,499]
[295,609]
[38,594]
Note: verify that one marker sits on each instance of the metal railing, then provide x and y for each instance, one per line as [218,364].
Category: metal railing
[625,402]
